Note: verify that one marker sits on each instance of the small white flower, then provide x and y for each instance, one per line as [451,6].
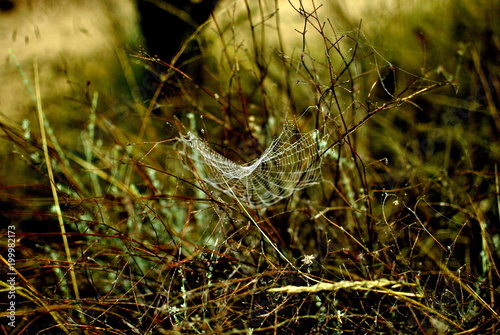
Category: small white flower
[308,259]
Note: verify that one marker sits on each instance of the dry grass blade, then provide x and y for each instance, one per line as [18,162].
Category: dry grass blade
[48,160]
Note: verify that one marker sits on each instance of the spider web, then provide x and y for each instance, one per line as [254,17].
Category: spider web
[291,163]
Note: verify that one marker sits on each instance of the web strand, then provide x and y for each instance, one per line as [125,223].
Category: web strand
[291,163]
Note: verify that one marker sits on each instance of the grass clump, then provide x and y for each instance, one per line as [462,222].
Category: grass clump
[125,236]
